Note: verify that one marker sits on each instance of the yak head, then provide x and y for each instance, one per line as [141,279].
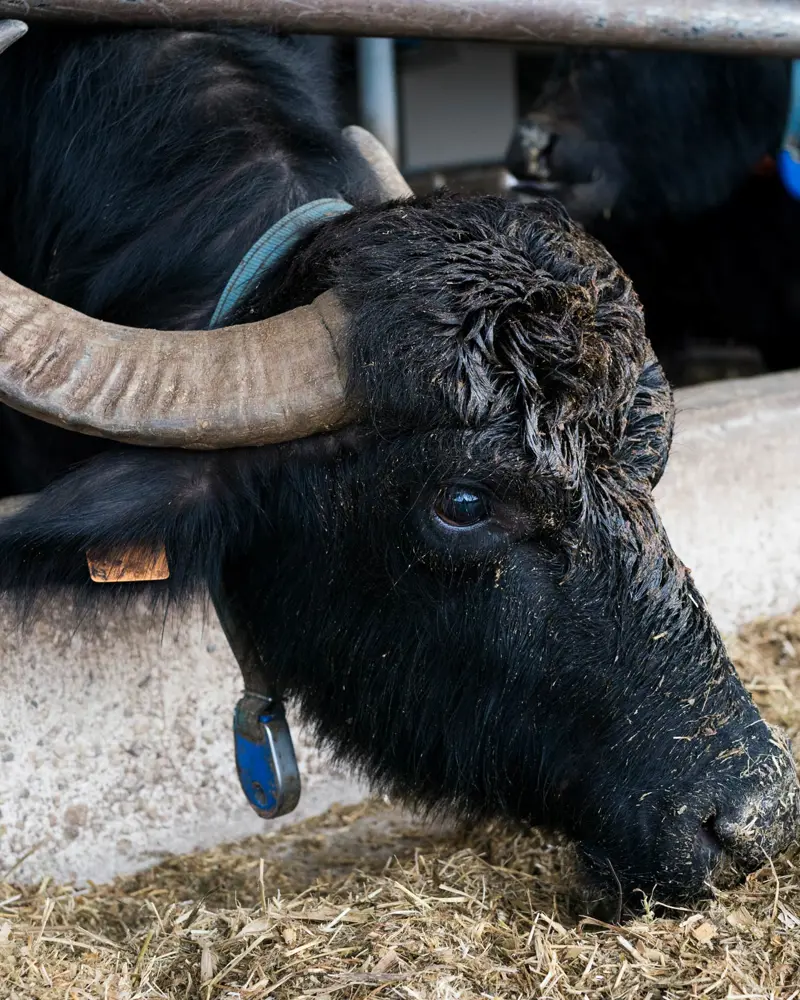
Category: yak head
[647,135]
[424,461]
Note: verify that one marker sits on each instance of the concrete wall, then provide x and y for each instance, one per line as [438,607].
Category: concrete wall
[115,743]
[458,104]
[730,498]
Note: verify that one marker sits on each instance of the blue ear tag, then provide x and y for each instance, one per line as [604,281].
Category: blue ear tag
[789,157]
[265,760]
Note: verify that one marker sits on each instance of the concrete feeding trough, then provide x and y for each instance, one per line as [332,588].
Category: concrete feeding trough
[115,735]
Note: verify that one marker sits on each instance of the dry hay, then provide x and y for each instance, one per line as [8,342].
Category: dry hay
[363,903]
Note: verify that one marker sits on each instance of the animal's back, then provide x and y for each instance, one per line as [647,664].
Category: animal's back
[136,166]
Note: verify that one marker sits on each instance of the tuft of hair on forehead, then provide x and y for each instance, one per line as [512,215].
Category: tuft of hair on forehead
[540,323]
[482,311]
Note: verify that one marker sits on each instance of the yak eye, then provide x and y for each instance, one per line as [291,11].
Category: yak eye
[461,507]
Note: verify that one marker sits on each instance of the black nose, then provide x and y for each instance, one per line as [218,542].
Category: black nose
[761,821]
[708,848]
[528,154]
[712,831]
[758,827]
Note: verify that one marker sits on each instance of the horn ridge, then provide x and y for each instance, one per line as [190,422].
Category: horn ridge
[259,383]
[266,382]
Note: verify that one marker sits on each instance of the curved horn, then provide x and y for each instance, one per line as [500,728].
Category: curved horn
[260,383]
[10,31]
[275,380]
[391,182]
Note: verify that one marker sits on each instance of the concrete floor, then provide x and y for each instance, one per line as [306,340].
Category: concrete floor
[115,742]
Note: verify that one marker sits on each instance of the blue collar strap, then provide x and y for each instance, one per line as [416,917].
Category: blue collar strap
[269,249]
[789,156]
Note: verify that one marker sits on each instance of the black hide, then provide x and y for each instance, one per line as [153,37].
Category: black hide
[469,592]
[658,154]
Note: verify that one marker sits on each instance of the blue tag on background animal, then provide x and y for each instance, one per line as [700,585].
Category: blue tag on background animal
[789,170]
[789,157]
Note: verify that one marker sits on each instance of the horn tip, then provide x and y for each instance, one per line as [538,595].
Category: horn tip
[390,180]
[10,32]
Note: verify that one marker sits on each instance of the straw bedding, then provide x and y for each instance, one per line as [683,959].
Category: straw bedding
[365,902]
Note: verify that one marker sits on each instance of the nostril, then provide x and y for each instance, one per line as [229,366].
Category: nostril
[709,837]
[530,151]
[540,161]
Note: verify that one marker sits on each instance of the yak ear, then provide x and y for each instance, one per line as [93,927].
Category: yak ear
[651,418]
[183,505]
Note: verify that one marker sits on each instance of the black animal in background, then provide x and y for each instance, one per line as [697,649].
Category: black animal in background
[425,467]
[668,159]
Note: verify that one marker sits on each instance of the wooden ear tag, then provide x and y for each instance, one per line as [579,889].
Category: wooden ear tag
[136,564]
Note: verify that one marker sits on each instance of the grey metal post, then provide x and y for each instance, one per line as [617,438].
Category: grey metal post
[377,91]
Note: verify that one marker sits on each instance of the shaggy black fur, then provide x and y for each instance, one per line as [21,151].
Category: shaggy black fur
[550,663]
[655,153]
[672,134]
[137,169]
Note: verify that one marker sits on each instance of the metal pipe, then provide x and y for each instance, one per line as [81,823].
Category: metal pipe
[745,26]
[377,91]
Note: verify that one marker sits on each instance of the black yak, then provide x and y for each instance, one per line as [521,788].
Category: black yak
[671,160]
[422,463]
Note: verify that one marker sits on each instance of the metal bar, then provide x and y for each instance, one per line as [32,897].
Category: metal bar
[745,26]
[377,91]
